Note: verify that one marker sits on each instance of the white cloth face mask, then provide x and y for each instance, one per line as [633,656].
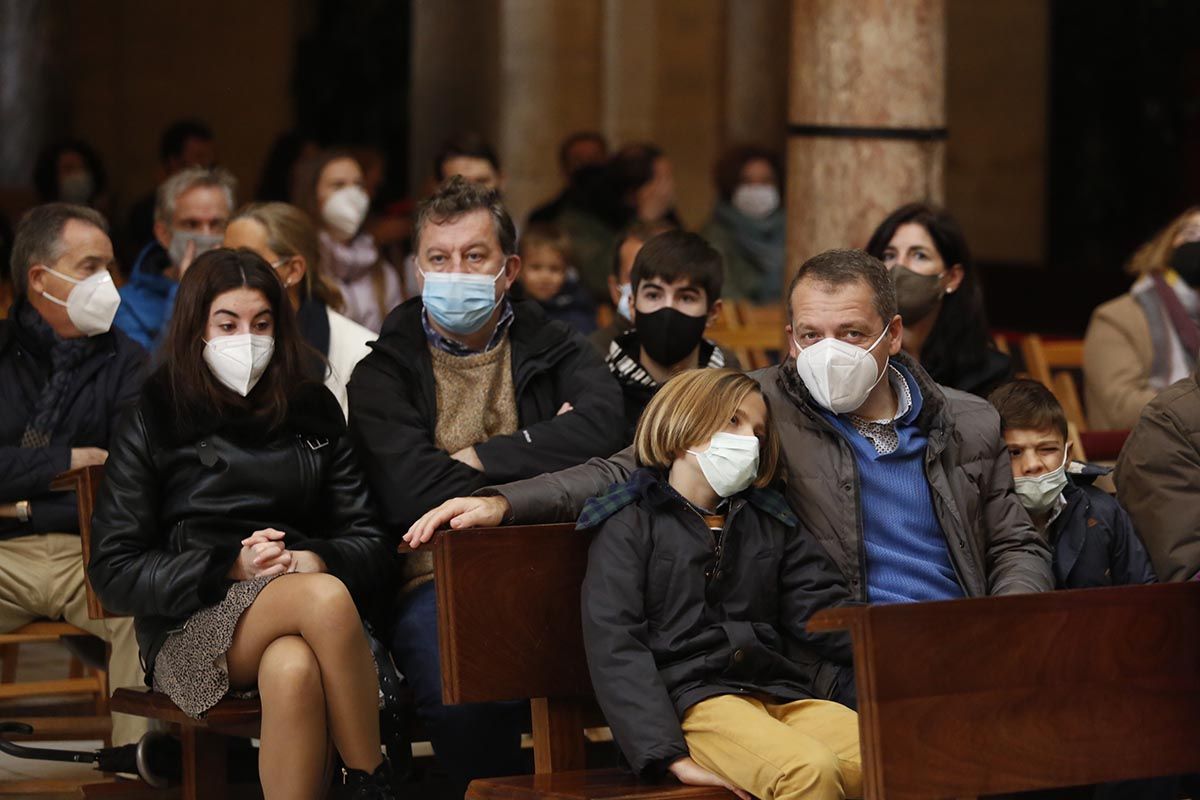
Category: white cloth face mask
[1039,492]
[839,375]
[239,361]
[345,210]
[730,463]
[92,303]
[756,200]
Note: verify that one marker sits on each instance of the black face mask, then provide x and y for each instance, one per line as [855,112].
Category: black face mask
[669,336]
[1186,261]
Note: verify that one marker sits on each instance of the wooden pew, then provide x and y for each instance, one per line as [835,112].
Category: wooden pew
[509,629]
[1007,694]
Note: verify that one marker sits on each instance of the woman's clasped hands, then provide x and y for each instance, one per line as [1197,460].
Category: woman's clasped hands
[264,554]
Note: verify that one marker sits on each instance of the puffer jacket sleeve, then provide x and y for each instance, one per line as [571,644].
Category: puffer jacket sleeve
[354,547]
[559,496]
[1156,484]
[1018,558]
[632,695]
[131,569]
[809,582]
[596,426]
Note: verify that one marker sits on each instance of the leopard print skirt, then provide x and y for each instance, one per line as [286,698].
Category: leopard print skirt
[190,667]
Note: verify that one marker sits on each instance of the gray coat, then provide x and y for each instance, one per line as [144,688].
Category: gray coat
[992,544]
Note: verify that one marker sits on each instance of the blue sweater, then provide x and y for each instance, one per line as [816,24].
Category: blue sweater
[906,552]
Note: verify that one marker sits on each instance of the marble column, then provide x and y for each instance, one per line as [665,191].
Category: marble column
[866,117]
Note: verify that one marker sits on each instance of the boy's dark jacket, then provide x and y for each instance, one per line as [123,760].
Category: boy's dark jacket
[667,625]
[1093,538]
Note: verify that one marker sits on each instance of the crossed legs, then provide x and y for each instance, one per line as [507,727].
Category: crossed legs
[302,644]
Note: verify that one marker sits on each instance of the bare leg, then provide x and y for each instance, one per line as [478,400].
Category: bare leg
[319,609]
[292,756]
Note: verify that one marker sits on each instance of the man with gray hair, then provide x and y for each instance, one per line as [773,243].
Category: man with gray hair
[65,379]
[190,213]
[462,389]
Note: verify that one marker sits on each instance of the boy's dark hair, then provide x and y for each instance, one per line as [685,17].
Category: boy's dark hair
[643,231]
[464,145]
[459,196]
[1026,404]
[176,135]
[680,254]
[840,267]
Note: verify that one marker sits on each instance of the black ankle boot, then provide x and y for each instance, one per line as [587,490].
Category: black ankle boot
[362,786]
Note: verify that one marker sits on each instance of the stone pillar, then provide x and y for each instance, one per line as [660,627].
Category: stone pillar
[27,75]
[551,80]
[866,117]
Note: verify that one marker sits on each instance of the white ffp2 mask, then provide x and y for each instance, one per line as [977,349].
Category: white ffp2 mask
[730,463]
[92,302]
[838,374]
[345,210]
[239,361]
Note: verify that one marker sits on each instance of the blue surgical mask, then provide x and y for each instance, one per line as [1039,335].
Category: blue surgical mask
[460,302]
[625,304]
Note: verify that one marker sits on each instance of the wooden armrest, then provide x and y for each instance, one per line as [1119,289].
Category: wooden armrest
[835,619]
[73,479]
[85,482]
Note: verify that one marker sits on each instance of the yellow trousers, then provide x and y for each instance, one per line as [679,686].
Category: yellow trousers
[803,749]
[41,576]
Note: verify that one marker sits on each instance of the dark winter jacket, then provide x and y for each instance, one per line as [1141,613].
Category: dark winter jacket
[105,384]
[176,503]
[393,413]
[1093,538]
[673,615]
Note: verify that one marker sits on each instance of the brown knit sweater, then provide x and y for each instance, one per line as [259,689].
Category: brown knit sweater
[475,401]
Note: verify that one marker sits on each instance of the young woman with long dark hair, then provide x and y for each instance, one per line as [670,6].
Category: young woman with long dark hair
[234,524]
[939,298]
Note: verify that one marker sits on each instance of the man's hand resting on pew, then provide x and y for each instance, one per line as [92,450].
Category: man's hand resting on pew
[691,773]
[458,513]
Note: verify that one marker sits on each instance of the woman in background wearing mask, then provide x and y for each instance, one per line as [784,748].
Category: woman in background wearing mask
[1148,338]
[235,526]
[284,236]
[332,192]
[939,298]
[747,225]
[70,171]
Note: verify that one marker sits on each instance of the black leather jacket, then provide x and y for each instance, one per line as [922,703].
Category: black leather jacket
[175,505]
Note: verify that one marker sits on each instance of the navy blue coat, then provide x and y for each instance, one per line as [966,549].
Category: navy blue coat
[1094,541]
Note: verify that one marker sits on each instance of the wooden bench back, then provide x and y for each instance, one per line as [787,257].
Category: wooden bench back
[85,482]
[1007,694]
[509,629]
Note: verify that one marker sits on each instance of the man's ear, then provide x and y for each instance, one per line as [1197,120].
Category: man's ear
[714,313]
[512,266]
[896,334]
[163,234]
[36,280]
[614,291]
[793,350]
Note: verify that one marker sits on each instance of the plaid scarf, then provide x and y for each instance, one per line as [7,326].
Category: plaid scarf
[65,357]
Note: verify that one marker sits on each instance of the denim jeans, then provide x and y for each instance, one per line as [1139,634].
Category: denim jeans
[476,740]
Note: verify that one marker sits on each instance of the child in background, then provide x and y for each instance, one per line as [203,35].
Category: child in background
[1092,537]
[699,583]
[547,276]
